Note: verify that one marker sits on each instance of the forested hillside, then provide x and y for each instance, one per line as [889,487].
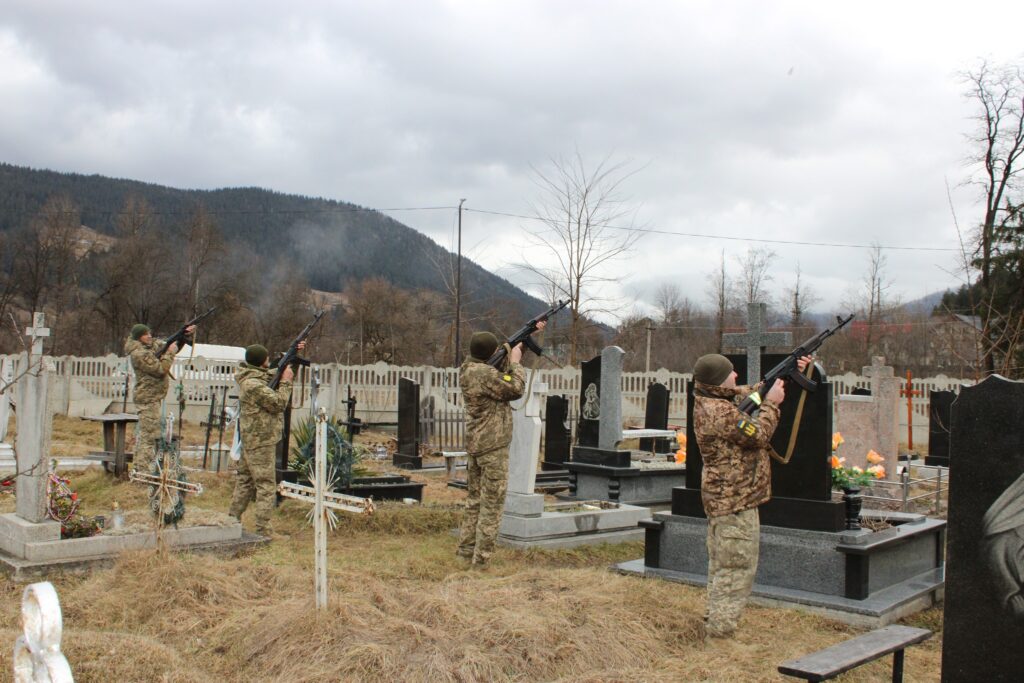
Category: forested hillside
[158,253]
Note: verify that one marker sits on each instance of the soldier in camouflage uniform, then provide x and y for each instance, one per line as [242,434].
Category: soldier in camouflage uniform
[151,382]
[486,393]
[736,479]
[260,424]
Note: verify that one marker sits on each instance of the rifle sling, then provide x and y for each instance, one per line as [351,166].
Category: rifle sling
[796,424]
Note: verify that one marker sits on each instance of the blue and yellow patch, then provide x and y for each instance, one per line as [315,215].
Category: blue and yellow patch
[747,427]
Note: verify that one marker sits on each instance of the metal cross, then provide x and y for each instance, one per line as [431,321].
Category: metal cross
[166,490]
[324,502]
[756,340]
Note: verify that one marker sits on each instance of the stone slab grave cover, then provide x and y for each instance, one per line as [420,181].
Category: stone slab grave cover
[871,421]
[527,521]
[983,616]
[599,469]
[939,415]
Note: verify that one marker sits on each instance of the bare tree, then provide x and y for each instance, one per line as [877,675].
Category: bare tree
[587,224]
[755,274]
[797,299]
[998,93]
[873,299]
[719,293]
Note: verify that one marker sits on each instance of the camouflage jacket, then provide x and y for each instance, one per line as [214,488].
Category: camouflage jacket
[262,407]
[737,468]
[486,393]
[151,373]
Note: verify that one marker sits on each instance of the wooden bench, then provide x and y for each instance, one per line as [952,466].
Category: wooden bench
[115,427]
[832,661]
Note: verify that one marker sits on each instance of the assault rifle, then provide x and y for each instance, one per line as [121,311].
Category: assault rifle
[181,337]
[291,356]
[523,336]
[788,369]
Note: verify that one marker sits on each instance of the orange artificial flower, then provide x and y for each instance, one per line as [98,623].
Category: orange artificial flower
[875,458]
[878,471]
[835,463]
[681,439]
[681,456]
[837,440]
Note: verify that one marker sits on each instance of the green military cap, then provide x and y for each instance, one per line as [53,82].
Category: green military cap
[256,354]
[482,345]
[713,369]
[139,330]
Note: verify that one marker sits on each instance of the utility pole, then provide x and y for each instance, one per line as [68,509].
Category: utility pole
[649,330]
[458,293]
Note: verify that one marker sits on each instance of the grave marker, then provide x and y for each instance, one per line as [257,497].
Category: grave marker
[656,417]
[983,615]
[557,435]
[408,452]
[756,339]
[939,414]
[37,655]
[324,501]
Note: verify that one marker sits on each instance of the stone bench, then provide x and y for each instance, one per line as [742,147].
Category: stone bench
[832,661]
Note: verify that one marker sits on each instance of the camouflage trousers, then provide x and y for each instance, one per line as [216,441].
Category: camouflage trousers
[486,485]
[733,542]
[257,480]
[148,433]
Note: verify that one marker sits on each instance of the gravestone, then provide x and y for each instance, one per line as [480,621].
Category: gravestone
[656,417]
[939,405]
[589,420]
[983,616]
[35,426]
[802,488]
[557,435]
[527,521]
[871,422]
[610,423]
[407,454]
[755,340]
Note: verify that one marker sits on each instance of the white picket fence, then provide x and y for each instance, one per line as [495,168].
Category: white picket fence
[87,386]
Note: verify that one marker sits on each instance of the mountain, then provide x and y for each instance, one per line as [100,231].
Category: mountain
[333,242]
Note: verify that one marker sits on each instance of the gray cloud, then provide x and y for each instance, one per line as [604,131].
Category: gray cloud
[783,121]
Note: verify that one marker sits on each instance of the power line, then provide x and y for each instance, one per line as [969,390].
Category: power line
[730,237]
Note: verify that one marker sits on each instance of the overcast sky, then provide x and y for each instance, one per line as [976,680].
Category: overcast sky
[812,121]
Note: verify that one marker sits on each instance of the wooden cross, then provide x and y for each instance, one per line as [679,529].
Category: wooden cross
[324,502]
[910,393]
[756,339]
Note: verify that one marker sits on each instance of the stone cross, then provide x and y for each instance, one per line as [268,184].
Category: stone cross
[756,339]
[35,425]
[324,503]
[37,655]
[37,333]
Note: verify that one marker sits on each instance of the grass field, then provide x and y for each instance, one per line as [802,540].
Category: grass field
[402,608]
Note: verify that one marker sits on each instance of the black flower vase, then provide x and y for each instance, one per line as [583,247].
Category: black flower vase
[853,501]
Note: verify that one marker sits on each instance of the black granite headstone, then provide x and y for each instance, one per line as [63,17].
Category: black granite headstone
[802,488]
[589,424]
[557,435]
[408,453]
[656,417]
[983,616]
[939,403]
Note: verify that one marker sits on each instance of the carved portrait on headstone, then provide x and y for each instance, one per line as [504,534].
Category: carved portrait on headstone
[591,406]
[1003,527]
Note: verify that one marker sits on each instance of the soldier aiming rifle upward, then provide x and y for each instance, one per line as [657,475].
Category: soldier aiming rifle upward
[524,336]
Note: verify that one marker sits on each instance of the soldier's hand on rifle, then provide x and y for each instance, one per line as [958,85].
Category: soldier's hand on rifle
[287,374]
[803,362]
[777,394]
[302,344]
[541,325]
[190,330]
[173,348]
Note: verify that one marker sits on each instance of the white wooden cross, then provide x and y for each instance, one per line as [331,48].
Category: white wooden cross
[37,655]
[324,502]
[756,340]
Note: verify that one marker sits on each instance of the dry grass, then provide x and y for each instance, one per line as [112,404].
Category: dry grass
[403,609]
